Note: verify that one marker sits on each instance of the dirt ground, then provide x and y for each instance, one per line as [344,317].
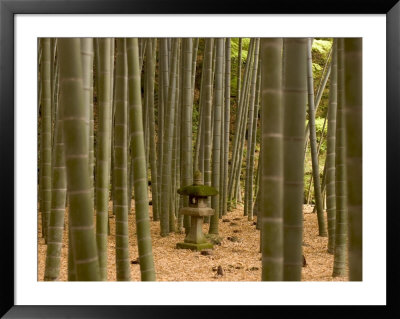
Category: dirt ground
[238,255]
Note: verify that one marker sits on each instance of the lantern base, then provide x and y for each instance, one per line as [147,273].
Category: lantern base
[193,246]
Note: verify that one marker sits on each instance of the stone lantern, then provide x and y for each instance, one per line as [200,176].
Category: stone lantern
[198,193]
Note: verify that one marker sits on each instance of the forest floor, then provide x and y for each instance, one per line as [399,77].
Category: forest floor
[238,254]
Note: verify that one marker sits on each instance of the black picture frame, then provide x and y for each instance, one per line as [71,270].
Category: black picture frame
[8,8]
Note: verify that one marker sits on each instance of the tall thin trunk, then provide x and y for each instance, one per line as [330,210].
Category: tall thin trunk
[313,140]
[317,100]
[45,134]
[239,73]
[198,147]
[339,266]
[237,147]
[248,201]
[150,78]
[330,155]
[87,55]
[140,181]
[222,150]
[186,118]
[58,198]
[176,131]
[121,199]
[321,139]
[180,219]
[194,61]
[353,119]
[207,108]
[167,143]
[271,209]
[294,101]
[103,151]
[218,100]
[254,135]
[76,137]
[227,119]
[162,109]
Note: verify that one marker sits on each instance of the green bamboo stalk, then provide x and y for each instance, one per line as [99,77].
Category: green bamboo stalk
[143,47]
[178,114]
[112,155]
[194,60]
[186,118]
[318,98]
[218,100]
[198,142]
[207,108]
[254,135]
[227,121]
[169,46]
[103,151]
[339,265]
[248,202]
[353,128]
[53,70]
[167,144]
[239,72]
[240,123]
[163,94]
[321,139]
[237,119]
[222,149]
[150,78]
[327,69]
[58,198]
[197,145]
[238,174]
[176,131]
[313,142]
[257,183]
[112,72]
[271,208]
[245,100]
[145,109]
[87,55]
[294,102]
[45,135]
[257,205]
[205,123]
[120,205]
[323,185]
[140,183]
[178,218]
[254,143]
[159,108]
[214,59]
[76,138]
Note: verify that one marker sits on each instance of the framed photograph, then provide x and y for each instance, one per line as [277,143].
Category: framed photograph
[22,23]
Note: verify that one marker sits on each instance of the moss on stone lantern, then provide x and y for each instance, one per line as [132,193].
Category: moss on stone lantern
[197,209]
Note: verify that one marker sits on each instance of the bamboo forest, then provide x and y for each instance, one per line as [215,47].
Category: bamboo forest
[199,159]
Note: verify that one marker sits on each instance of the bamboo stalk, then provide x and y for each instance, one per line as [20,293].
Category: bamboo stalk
[76,137]
[339,265]
[271,209]
[353,127]
[294,101]
[140,181]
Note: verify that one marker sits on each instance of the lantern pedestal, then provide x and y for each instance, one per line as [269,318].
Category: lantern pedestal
[197,247]
[195,239]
